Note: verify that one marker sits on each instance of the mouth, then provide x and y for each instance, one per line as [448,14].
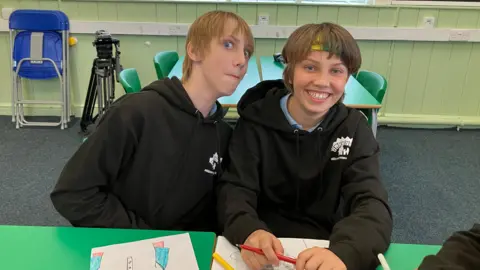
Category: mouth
[234,76]
[317,96]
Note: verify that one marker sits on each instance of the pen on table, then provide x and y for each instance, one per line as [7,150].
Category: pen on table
[383,261]
[259,251]
[221,261]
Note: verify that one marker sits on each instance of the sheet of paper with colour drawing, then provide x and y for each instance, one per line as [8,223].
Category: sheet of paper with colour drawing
[162,253]
[291,246]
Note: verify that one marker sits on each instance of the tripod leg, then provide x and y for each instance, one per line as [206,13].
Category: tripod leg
[106,102]
[99,93]
[89,100]
[109,86]
[112,84]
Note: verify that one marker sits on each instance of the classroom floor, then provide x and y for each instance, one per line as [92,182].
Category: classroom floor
[431,176]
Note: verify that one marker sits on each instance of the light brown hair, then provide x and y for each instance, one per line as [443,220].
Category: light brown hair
[329,37]
[208,27]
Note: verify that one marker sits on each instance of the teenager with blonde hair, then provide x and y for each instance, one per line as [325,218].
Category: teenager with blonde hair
[155,156]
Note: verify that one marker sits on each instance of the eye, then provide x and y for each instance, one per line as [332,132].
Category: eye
[309,68]
[228,44]
[338,71]
[247,54]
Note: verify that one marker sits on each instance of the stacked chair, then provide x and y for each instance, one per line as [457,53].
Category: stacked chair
[39,51]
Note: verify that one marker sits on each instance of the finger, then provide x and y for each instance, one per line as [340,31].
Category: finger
[267,248]
[251,262]
[247,258]
[277,246]
[317,263]
[258,261]
[302,259]
[262,260]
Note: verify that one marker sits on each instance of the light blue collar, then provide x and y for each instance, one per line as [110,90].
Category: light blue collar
[291,121]
[213,110]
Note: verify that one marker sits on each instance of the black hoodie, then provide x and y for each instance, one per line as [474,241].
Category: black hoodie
[461,251]
[151,163]
[291,182]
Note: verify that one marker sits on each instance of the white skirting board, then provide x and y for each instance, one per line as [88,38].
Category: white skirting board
[272,31]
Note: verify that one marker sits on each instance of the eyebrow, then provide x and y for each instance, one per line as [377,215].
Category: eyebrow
[236,39]
[335,64]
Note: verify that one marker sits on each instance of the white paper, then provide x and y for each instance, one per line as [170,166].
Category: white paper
[291,246]
[140,255]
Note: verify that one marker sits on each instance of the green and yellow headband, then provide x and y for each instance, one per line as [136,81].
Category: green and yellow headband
[318,45]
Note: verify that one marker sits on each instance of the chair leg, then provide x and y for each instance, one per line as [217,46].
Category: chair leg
[15,101]
[374,122]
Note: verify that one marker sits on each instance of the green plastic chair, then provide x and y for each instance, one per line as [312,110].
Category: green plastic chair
[164,63]
[375,84]
[130,81]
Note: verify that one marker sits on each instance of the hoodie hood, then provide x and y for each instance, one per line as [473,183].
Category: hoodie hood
[261,104]
[173,91]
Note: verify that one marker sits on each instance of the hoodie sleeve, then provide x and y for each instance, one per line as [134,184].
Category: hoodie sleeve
[460,251]
[366,227]
[239,186]
[82,194]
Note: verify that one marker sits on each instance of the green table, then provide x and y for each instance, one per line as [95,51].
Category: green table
[408,256]
[356,96]
[252,77]
[61,248]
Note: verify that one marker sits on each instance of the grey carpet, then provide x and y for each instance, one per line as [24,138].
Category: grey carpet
[432,177]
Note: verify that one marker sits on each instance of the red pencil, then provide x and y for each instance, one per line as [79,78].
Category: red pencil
[259,251]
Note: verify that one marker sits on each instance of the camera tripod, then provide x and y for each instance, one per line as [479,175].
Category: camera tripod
[101,88]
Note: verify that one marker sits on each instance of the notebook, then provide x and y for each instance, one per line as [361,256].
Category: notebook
[291,246]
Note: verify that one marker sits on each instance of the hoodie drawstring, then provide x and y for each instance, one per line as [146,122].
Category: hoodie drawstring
[297,197]
[319,133]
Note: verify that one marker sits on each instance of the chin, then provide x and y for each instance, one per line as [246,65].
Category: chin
[228,92]
[317,109]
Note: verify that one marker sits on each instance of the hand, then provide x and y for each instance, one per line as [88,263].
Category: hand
[319,259]
[269,244]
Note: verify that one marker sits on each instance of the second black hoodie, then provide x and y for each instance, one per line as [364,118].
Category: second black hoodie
[151,163]
[291,182]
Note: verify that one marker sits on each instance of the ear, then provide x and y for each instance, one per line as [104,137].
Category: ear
[193,53]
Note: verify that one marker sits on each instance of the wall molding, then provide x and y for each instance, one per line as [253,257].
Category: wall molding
[407,120]
[272,31]
[428,119]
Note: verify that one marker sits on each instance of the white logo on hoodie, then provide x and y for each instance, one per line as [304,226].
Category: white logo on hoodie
[214,161]
[342,147]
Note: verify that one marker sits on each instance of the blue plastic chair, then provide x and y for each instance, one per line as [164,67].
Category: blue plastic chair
[39,51]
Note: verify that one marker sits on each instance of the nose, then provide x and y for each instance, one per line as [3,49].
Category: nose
[239,59]
[322,79]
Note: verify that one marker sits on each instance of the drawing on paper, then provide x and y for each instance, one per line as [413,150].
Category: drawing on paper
[96,260]
[129,263]
[237,260]
[161,255]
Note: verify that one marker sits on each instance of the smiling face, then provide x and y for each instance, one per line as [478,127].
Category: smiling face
[319,60]
[318,83]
